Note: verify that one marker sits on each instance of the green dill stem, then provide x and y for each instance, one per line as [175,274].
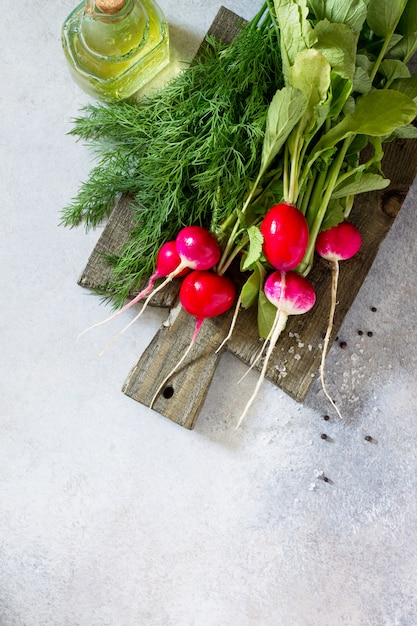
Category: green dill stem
[305,198]
[285,178]
[228,247]
[273,18]
[294,171]
[269,19]
[232,256]
[215,210]
[316,197]
[331,181]
[256,20]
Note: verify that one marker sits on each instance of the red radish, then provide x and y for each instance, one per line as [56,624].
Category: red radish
[203,294]
[339,243]
[285,232]
[206,294]
[198,248]
[194,248]
[167,261]
[291,294]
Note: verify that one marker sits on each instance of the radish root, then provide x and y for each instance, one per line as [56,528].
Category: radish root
[278,326]
[167,280]
[335,279]
[148,291]
[127,306]
[260,353]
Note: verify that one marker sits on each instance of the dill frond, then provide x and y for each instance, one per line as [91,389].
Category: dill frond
[186,154]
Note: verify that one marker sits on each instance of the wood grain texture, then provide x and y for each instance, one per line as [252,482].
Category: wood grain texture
[182,397]
[225,27]
[97,272]
[296,359]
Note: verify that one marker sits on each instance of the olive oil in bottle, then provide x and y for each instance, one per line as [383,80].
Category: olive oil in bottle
[114,47]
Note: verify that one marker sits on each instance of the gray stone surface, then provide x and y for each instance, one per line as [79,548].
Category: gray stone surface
[111,515]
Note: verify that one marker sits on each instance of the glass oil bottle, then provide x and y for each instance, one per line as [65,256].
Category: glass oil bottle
[114,47]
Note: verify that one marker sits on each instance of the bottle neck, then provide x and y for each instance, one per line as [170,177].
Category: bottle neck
[114,35]
[110,10]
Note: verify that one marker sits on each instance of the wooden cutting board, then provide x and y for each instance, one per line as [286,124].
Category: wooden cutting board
[296,359]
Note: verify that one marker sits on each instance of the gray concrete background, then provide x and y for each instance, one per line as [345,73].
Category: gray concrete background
[110,515]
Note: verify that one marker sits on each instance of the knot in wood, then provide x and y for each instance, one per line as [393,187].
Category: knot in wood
[392,201]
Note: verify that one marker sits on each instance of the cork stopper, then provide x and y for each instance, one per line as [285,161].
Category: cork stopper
[110,6]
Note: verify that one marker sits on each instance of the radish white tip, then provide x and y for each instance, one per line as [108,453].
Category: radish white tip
[268,337]
[112,341]
[108,319]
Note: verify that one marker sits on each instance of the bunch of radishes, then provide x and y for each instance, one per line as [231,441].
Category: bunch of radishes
[285,241]
[206,291]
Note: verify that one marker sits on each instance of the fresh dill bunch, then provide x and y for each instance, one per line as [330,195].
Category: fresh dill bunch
[186,154]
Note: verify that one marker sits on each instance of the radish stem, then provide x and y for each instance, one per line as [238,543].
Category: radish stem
[268,337]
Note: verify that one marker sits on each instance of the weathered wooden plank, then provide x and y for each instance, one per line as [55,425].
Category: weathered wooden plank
[295,361]
[182,397]
[225,27]
[97,272]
